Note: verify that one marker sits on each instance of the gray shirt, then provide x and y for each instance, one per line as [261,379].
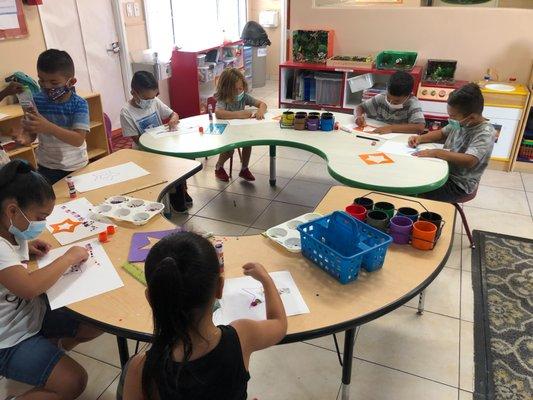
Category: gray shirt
[247,100]
[19,319]
[134,121]
[477,141]
[377,108]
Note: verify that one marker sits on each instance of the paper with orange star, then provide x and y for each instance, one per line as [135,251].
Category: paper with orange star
[376,158]
[67,225]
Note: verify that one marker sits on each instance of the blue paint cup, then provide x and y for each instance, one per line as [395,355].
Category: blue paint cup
[327,121]
[408,212]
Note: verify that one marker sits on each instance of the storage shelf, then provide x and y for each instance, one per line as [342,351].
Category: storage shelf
[94,124]
[18,150]
[95,153]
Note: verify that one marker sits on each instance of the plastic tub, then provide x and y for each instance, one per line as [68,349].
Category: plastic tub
[361,82]
[328,88]
[398,60]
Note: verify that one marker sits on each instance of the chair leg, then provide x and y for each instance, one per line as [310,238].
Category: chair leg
[421,301]
[465,224]
[231,166]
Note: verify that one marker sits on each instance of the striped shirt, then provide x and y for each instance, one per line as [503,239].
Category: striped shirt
[72,114]
[377,108]
[238,105]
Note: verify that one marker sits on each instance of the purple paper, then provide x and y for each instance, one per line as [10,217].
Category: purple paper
[140,243]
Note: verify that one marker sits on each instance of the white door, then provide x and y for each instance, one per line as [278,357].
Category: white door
[86,30]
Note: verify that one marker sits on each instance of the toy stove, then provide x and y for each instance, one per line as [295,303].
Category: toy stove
[438,81]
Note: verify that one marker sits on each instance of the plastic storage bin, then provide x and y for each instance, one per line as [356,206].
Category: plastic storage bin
[361,82]
[399,60]
[340,245]
[309,88]
[328,88]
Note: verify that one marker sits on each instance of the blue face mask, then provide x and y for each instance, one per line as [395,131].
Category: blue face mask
[240,96]
[454,124]
[34,229]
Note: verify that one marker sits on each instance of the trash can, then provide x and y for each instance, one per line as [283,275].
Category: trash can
[259,66]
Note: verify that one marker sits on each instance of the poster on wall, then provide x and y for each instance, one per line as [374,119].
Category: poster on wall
[12,20]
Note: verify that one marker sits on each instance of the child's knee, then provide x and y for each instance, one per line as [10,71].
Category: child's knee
[75,382]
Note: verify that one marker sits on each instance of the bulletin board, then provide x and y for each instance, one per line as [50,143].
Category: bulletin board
[12,20]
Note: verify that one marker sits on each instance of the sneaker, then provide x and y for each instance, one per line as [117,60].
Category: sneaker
[221,174]
[188,200]
[177,202]
[246,175]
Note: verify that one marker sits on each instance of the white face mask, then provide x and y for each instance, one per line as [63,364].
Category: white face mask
[145,103]
[394,106]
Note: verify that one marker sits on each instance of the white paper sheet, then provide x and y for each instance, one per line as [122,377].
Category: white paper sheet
[8,15]
[397,148]
[108,176]
[91,278]
[367,131]
[75,221]
[163,130]
[244,298]
[269,118]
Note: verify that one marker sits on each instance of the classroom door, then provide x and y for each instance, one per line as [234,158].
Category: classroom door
[86,29]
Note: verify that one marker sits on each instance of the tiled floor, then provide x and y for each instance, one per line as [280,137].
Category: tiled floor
[399,356]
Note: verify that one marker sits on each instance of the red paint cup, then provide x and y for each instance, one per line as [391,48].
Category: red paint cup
[102,237]
[357,211]
[110,230]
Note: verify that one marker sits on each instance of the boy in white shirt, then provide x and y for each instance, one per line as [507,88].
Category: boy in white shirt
[145,111]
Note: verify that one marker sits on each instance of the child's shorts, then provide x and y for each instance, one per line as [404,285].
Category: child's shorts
[32,360]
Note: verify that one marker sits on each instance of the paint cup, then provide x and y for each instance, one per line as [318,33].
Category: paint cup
[387,208]
[327,121]
[432,217]
[424,233]
[300,121]
[356,211]
[314,114]
[287,118]
[110,230]
[102,237]
[313,123]
[408,212]
[400,229]
[365,202]
[378,219]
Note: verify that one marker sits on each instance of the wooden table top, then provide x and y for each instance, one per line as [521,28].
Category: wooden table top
[333,306]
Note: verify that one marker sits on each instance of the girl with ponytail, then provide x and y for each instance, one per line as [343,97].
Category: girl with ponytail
[26,324]
[191,358]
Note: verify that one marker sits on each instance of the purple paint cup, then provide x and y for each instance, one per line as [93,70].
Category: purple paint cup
[313,123]
[400,229]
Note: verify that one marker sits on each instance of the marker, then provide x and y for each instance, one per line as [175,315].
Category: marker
[71,187]
[368,138]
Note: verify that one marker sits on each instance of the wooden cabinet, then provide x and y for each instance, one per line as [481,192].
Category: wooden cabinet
[97,145]
[520,164]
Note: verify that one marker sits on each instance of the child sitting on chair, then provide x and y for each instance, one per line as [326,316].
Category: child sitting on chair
[232,98]
[145,111]
[468,141]
[398,107]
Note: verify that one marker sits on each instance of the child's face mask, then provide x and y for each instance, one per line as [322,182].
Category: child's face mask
[34,229]
[395,106]
[458,124]
[57,92]
[240,96]
[145,103]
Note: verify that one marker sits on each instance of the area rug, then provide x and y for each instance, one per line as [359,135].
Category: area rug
[502,278]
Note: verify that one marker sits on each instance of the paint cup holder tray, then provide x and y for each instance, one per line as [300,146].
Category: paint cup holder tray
[130,209]
[287,235]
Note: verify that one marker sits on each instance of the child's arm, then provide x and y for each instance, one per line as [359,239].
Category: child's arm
[11,89]
[34,123]
[459,159]
[261,109]
[430,137]
[132,389]
[401,128]
[28,285]
[359,114]
[173,121]
[225,114]
[257,335]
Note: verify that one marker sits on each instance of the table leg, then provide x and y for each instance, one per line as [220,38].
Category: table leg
[272,165]
[421,301]
[347,359]
[123,351]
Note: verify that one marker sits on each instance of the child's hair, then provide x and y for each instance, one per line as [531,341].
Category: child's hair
[181,271]
[226,84]
[53,61]
[467,99]
[19,181]
[400,84]
[143,80]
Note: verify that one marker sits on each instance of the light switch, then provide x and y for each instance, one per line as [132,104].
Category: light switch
[136,10]
[129,9]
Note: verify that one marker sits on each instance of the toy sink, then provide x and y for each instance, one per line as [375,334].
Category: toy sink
[500,87]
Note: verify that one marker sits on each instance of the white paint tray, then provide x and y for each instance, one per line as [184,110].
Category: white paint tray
[130,209]
[286,233]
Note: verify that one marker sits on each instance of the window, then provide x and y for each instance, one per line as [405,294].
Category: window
[193,24]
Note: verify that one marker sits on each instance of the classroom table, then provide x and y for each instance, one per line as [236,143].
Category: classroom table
[334,307]
[340,149]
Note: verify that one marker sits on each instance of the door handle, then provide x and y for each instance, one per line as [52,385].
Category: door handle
[115,48]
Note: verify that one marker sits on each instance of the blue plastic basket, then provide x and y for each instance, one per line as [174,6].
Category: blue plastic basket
[340,245]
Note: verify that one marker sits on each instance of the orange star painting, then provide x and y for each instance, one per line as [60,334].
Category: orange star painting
[376,158]
[67,225]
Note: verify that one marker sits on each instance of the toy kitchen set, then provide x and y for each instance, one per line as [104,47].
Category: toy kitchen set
[504,103]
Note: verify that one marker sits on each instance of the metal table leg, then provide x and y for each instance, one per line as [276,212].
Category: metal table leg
[347,359]
[123,351]
[421,301]
[272,165]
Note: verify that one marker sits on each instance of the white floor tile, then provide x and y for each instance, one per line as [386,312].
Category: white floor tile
[498,199]
[104,348]
[427,345]
[235,208]
[206,179]
[454,260]
[528,181]
[530,201]
[277,212]
[316,172]
[466,372]
[303,193]
[502,179]
[285,167]
[442,295]
[496,221]
[466,256]
[202,225]
[464,395]
[200,196]
[259,188]
[111,392]
[467,297]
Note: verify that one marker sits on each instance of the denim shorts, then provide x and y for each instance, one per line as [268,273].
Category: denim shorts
[32,360]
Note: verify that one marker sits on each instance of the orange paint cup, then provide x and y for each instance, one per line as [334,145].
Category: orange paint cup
[102,237]
[357,211]
[424,233]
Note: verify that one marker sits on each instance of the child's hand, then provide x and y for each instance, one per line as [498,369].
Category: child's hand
[13,88]
[23,138]
[432,153]
[38,248]
[256,271]
[360,121]
[76,255]
[173,122]
[34,123]
[245,114]
[382,129]
[259,114]
[413,141]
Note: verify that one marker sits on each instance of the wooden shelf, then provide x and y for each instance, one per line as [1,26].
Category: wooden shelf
[18,150]
[95,153]
[94,124]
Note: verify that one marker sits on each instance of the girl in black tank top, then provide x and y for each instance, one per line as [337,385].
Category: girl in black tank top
[191,358]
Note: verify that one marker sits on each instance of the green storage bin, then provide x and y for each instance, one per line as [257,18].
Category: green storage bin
[398,60]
